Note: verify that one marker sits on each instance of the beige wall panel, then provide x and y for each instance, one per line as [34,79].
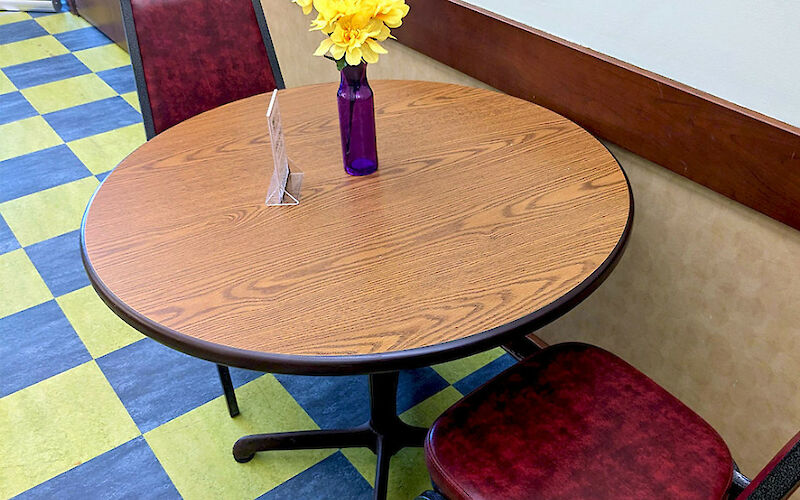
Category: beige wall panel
[705,301]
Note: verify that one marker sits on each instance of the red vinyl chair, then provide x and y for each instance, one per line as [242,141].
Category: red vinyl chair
[190,56]
[574,421]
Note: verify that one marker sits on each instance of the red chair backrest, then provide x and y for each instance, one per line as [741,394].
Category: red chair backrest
[190,56]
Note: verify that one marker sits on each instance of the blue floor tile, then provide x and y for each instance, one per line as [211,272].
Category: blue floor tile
[15,32]
[128,471]
[157,384]
[43,169]
[478,377]
[92,118]
[47,70]
[334,478]
[81,39]
[8,241]
[337,402]
[415,386]
[14,106]
[58,261]
[333,402]
[102,176]
[36,344]
[119,79]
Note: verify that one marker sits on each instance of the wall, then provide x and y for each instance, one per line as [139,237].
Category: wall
[733,49]
[705,300]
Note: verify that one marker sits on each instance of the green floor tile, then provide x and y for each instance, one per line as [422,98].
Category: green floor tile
[13,17]
[424,413]
[408,475]
[195,448]
[21,286]
[26,136]
[67,93]
[102,152]
[59,23]
[48,213]
[98,327]
[103,57]
[453,371]
[57,424]
[132,98]
[30,50]
[5,84]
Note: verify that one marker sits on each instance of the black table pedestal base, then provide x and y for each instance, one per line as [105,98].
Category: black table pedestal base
[385,434]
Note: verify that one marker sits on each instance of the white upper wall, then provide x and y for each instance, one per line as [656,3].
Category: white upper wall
[744,51]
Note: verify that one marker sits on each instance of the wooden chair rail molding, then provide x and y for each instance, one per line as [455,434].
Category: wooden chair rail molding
[744,155]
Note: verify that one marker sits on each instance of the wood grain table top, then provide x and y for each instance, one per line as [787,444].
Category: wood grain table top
[488,217]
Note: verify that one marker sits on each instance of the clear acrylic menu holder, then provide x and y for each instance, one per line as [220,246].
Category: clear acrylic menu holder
[284,185]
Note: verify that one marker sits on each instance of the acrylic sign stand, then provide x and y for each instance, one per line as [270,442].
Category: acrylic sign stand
[284,186]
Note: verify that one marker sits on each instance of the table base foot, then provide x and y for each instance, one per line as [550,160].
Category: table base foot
[385,434]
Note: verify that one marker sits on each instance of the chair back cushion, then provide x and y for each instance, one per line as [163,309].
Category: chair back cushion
[190,56]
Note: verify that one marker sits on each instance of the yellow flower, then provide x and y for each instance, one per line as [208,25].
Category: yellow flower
[354,27]
[391,12]
[354,40]
[305,4]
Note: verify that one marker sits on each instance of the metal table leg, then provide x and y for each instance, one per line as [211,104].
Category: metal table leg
[385,434]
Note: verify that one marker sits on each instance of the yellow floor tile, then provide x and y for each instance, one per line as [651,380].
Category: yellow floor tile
[424,413]
[30,50]
[98,327]
[453,371]
[57,424]
[133,100]
[13,17]
[103,57]
[408,475]
[67,93]
[26,136]
[407,472]
[195,448]
[21,286]
[59,23]
[102,152]
[45,214]
[6,85]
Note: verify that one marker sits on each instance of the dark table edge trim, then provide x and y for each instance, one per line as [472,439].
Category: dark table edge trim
[365,363]
[744,155]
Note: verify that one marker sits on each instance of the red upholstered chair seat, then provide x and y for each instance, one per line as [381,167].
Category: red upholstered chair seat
[574,421]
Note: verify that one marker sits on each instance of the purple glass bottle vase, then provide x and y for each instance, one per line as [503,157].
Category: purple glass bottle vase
[357,121]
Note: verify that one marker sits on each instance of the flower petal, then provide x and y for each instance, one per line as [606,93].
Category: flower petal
[324,46]
[370,57]
[376,47]
[353,56]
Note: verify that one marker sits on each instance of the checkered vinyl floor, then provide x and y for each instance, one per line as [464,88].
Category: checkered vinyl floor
[89,408]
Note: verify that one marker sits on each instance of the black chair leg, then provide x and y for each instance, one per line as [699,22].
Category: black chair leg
[227,388]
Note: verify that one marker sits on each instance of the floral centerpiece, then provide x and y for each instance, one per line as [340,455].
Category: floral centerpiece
[354,30]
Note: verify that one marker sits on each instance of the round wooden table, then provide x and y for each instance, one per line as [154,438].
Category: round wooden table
[489,217]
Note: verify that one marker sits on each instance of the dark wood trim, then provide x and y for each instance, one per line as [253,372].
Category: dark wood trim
[103,15]
[744,155]
[359,364]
